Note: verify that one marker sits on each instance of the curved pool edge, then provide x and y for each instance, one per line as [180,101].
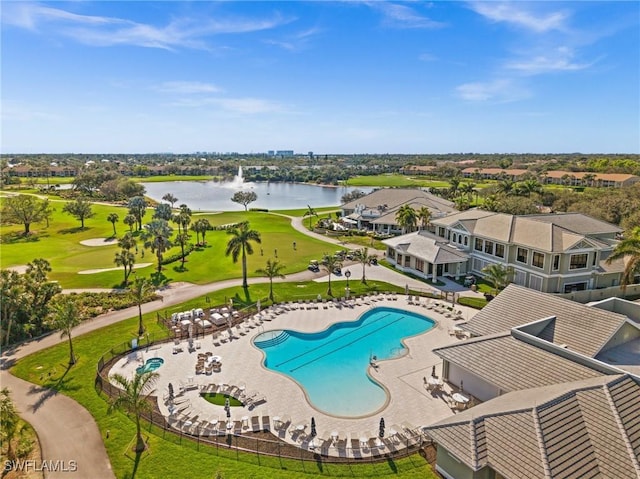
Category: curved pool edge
[369,369]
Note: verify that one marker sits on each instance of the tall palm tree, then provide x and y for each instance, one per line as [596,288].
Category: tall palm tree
[363,257]
[273,269]
[406,218]
[468,189]
[156,235]
[201,226]
[169,198]
[129,220]
[330,264]
[140,289]
[629,249]
[310,213]
[113,219]
[424,216]
[240,246]
[9,421]
[12,292]
[134,398]
[66,317]
[127,260]
[498,275]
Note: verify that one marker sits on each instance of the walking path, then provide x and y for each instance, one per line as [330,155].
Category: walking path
[66,430]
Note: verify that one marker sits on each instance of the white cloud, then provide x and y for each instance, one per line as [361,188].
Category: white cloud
[245,105]
[296,42]
[516,14]
[110,31]
[497,91]
[186,87]
[402,16]
[558,60]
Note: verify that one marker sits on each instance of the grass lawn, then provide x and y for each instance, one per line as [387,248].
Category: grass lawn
[220,399]
[60,245]
[395,180]
[300,212]
[166,457]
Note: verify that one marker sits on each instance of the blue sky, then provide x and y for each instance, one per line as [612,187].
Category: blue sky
[328,77]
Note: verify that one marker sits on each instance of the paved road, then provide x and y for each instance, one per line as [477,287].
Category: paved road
[66,430]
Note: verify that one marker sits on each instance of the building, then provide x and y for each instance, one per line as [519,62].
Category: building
[377,210]
[553,177]
[559,387]
[554,253]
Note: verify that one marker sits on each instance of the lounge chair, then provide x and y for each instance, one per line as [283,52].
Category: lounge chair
[255,423]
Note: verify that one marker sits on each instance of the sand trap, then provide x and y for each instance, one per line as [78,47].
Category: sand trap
[20,269]
[99,242]
[94,271]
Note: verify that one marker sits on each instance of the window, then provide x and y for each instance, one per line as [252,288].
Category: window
[478,245]
[466,241]
[556,262]
[419,265]
[455,237]
[399,259]
[595,257]
[391,253]
[578,261]
[488,247]
[537,260]
[407,260]
[522,255]
[499,250]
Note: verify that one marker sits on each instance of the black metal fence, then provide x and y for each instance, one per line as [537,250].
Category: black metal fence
[262,448]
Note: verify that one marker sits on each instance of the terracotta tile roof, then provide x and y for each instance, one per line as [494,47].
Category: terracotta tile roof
[583,329]
[511,364]
[574,430]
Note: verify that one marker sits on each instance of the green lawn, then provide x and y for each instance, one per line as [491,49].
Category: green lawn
[395,180]
[60,245]
[166,457]
[220,399]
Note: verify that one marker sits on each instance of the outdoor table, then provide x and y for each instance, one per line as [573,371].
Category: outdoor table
[229,425]
[188,423]
[300,427]
[214,422]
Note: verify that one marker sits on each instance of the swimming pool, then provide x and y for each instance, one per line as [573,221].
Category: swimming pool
[332,365]
[151,365]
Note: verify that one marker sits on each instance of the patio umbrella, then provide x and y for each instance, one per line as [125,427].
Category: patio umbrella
[227,405]
[171,393]
[229,413]
[461,386]
[406,289]
[258,306]
[313,427]
[433,371]
[381,431]
[191,331]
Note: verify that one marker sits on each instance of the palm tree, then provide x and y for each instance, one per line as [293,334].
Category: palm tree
[498,275]
[240,245]
[133,398]
[183,218]
[156,236]
[406,218]
[330,264]
[12,292]
[66,317]
[424,216]
[363,257]
[113,219]
[129,220]
[629,250]
[455,186]
[505,187]
[200,227]
[468,189]
[273,269]
[310,213]
[182,239]
[127,260]
[140,289]
[169,198]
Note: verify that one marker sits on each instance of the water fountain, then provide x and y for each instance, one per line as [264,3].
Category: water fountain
[238,180]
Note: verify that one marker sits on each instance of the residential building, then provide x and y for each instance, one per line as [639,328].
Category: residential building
[555,253]
[377,210]
[555,177]
[559,387]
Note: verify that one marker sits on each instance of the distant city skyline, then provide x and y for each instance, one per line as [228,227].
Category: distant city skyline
[350,77]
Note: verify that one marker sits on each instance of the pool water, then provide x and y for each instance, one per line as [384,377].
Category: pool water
[332,365]
[151,365]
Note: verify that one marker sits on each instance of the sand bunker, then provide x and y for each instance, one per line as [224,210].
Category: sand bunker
[94,271]
[99,241]
[20,269]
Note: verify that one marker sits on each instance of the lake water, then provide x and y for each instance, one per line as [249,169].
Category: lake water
[216,196]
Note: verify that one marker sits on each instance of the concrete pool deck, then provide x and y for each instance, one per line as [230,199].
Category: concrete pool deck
[410,401]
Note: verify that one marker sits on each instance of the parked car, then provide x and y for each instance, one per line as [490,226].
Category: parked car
[337,271]
[313,266]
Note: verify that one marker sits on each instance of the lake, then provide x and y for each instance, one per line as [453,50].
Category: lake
[216,196]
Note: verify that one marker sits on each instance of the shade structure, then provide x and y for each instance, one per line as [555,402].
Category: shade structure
[171,392]
[433,371]
[313,427]
[258,306]
[190,330]
[381,430]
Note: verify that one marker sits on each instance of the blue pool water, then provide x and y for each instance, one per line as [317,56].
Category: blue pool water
[332,365]
[150,365]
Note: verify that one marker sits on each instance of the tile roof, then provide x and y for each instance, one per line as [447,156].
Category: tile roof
[427,246]
[583,329]
[511,364]
[588,428]
[393,198]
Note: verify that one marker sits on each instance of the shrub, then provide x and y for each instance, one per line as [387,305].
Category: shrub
[178,256]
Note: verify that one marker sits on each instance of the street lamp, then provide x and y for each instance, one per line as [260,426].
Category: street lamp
[347,274]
